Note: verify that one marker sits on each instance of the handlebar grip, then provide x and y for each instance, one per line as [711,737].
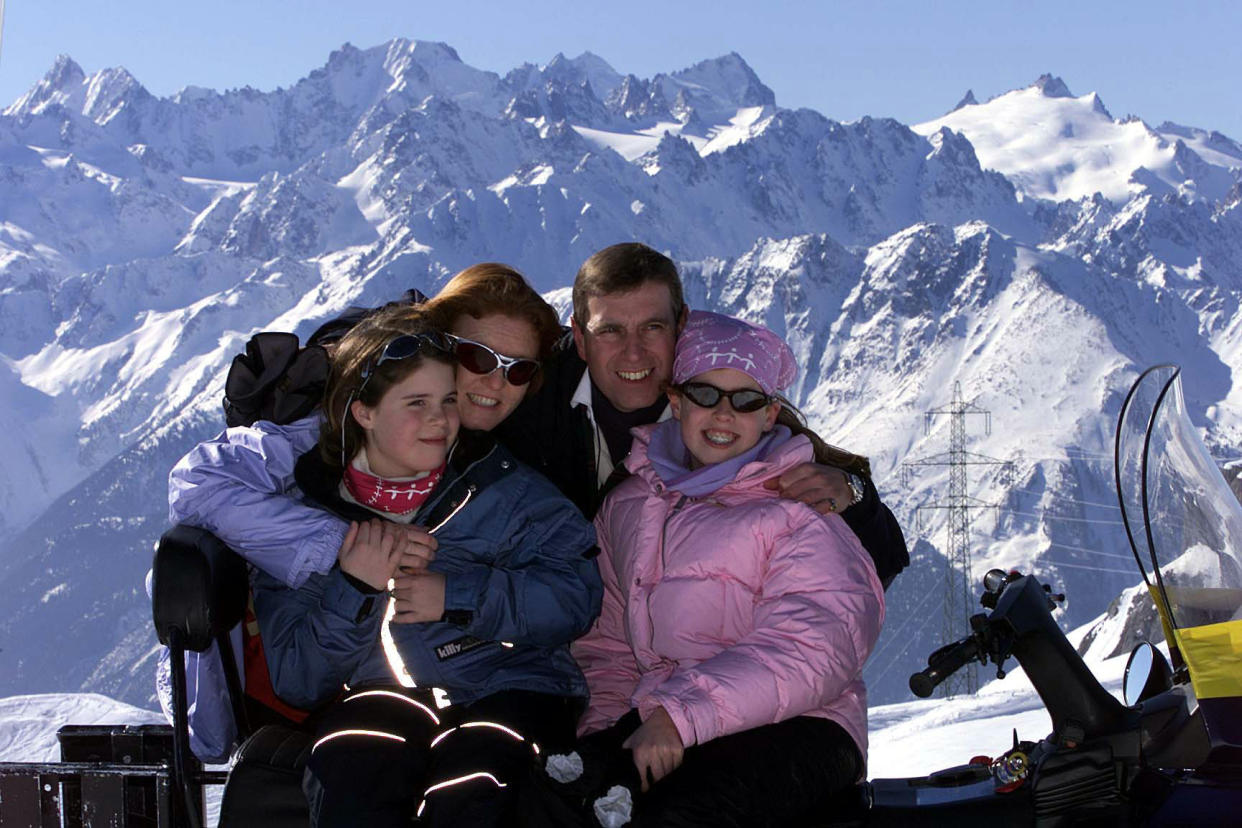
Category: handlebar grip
[923,683]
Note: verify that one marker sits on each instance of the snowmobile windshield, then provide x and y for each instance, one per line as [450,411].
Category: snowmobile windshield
[1184,522]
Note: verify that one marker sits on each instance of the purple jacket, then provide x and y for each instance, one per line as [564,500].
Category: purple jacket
[281,535]
[731,610]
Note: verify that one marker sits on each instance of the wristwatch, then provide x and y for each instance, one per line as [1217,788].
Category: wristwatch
[858,487]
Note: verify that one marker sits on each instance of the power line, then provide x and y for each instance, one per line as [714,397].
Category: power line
[1092,551]
[1092,568]
[1077,455]
[897,635]
[1046,516]
[1112,506]
[1083,453]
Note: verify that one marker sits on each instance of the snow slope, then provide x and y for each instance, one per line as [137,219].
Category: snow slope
[28,724]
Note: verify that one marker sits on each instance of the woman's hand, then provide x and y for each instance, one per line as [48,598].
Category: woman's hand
[415,545]
[419,597]
[657,747]
[369,553]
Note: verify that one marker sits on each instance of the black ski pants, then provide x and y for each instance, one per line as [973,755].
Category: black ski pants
[774,775]
[383,755]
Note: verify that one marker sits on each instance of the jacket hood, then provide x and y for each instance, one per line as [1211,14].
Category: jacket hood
[794,451]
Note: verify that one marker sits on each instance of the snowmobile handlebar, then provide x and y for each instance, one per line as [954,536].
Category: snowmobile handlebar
[1020,625]
[944,663]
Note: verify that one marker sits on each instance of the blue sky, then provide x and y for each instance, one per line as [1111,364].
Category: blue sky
[908,60]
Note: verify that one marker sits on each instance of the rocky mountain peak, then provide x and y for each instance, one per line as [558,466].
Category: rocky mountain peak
[65,72]
[1052,86]
[724,81]
[63,80]
[967,100]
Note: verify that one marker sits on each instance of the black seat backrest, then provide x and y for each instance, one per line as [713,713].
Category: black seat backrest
[199,589]
[198,586]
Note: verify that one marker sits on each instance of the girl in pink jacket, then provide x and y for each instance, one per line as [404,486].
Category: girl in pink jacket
[727,661]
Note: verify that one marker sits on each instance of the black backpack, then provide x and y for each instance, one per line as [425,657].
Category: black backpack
[277,379]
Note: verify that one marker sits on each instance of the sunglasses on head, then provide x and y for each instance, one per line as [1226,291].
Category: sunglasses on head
[704,395]
[401,347]
[404,347]
[477,358]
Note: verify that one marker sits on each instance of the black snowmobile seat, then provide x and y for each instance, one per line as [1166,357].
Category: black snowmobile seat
[264,789]
[199,591]
[198,588]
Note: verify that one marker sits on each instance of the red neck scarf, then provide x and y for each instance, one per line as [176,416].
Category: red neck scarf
[395,497]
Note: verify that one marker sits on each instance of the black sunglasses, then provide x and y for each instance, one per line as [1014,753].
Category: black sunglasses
[477,358]
[401,347]
[743,400]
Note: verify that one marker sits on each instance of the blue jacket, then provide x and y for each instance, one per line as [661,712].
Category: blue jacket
[520,577]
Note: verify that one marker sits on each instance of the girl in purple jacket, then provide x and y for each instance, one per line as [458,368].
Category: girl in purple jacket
[727,661]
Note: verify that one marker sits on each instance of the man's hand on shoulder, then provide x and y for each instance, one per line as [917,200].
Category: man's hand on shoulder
[824,488]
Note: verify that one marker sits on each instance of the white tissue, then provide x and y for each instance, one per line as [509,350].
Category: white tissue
[614,808]
[564,767]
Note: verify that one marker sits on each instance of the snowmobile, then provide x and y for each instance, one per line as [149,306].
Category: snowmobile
[1170,755]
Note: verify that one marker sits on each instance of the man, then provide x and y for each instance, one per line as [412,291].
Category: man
[628,311]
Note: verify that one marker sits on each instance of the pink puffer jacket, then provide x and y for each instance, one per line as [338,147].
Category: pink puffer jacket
[731,611]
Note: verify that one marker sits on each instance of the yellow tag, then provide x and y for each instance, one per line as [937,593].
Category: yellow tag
[1213,652]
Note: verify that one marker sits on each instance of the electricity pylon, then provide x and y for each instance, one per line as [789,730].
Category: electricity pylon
[958,604]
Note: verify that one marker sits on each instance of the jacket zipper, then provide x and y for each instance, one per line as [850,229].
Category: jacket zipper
[396,664]
[681,501]
[431,504]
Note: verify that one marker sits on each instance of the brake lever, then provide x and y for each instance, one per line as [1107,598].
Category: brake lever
[997,645]
[1054,598]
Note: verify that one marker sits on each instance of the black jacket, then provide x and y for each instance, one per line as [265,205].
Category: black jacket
[550,435]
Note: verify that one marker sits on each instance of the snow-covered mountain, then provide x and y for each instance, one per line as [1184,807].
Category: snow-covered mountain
[1032,248]
[1053,145]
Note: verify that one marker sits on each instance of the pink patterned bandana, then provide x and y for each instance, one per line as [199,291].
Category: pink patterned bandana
[713,340]
[396,497]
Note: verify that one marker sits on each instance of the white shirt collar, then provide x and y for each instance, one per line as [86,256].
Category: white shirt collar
[582,396]
[603,460]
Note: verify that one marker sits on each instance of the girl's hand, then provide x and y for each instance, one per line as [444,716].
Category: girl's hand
[369,553]
[657,747]
[419,597]
[415,546]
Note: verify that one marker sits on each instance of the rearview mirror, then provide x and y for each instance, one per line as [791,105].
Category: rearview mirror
[1147,674]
